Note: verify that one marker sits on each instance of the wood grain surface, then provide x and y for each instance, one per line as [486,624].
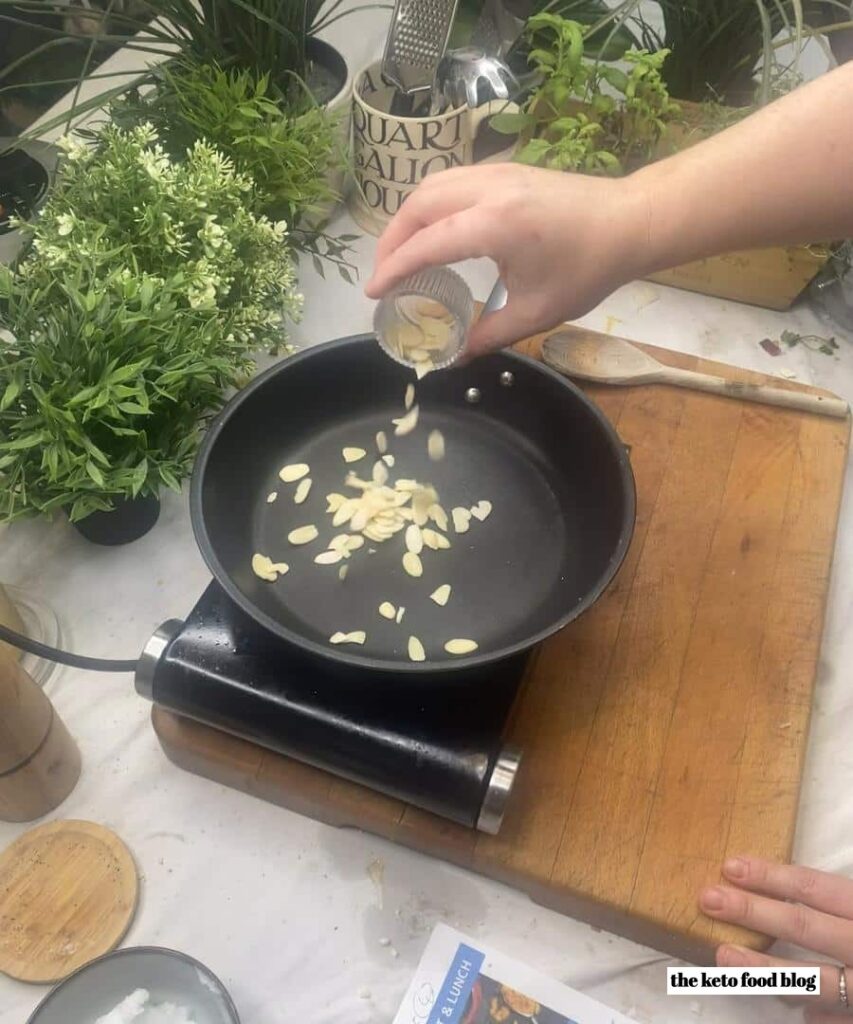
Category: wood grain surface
[68,893]
[665,729]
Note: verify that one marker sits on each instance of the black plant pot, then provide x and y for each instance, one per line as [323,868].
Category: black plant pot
[26,174]
[131,519]
[327,71]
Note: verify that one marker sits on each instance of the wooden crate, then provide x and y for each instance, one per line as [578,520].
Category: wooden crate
[772,278]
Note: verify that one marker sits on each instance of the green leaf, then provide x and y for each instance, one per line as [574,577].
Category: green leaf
[618,79]
[13,389]
[23,443]
[140,475]
[169,479]
[511,123]
[84,395]
[95,473]
[130,371]
[133,408]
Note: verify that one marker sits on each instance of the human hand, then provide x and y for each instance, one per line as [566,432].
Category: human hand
[809,908]
[562,242]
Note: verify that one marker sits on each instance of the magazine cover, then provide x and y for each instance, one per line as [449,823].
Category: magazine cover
[460,981]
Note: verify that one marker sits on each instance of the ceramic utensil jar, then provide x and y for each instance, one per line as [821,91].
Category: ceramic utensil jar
[393,154]
[39,761]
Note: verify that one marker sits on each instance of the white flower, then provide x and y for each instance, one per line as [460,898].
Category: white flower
[155,163]
[212,234]
[64,224]
[75,150]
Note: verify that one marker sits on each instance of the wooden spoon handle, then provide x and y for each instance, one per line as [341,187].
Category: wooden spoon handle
[805,402]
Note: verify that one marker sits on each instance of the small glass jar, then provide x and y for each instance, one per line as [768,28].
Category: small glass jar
[423,321]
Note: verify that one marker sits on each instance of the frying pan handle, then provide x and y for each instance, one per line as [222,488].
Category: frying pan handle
[496,300]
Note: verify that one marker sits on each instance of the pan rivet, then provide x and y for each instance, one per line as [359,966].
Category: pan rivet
[472,395]
[507,379]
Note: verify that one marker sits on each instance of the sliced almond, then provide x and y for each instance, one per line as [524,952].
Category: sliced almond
[481,510]
[409,399]
[428,309]
[387,610]
[416,650]
[334,502]
[380,473]
[460,646]
[381,442]
[302,489]
[401,611]
[355,542]
[419,355]
[295,471]
[412,564]
[271,497]
[422,369]
[358,636]
[388,460]
[360,520]
[353,454]
[406,485]
[438,516]
[461,519]
[406,424]
[267,569]
[303,534]
[435,445]
[345,512]
[430,538]
[441,595]
[414,540]
[328,558]
[342,572]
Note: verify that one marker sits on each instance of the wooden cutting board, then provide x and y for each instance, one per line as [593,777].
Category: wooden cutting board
[666,729]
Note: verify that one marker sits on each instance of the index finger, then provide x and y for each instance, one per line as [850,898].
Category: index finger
[459,236]
[437,196]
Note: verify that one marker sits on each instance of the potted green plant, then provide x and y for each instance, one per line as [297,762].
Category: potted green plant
[294,157]
[148,286]
[274,42]
[585,115]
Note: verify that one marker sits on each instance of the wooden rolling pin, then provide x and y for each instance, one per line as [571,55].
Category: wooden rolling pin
[39,761]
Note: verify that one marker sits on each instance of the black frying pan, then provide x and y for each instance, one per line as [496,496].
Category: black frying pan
[554,469]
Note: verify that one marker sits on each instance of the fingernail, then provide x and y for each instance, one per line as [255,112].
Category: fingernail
[735,867]
[712,899]
[731,956]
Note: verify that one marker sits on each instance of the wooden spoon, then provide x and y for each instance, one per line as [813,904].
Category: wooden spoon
[616,361]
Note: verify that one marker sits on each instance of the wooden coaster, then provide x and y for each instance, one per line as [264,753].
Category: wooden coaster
[68,892]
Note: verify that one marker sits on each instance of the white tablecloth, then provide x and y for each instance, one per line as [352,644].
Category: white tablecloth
[283,909]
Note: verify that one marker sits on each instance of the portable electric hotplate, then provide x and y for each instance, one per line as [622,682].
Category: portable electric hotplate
[447,755]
